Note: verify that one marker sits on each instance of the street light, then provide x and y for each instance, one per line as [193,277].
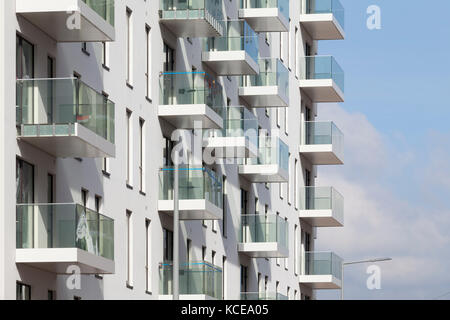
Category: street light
[357,262]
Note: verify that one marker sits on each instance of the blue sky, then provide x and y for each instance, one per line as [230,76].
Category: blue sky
[396,121]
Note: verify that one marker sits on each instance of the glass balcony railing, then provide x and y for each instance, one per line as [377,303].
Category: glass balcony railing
[271,150]
[323,263]
[322,198]
[182,88]
[40,226]
[43,104]
[210,10]
[327,6]
[263,229]
[196,278]
[254,296]
[272,72]
[104,8]
[319,133]
[195,183]
[239,36]
[238,122]
[282,5]
[323,67]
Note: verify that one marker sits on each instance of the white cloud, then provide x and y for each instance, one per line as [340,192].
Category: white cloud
[385,218]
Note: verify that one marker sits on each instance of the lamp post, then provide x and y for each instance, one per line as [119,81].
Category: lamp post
[357,262]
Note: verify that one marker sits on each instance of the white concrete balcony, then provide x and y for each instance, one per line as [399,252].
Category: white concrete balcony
[266,15]
[323,143]
[197,281]
[271,165]
[238,138]
[234,54]
[53,237]
[324,19]
[71,20]
[200,193]
[322,270]
[192,18]
[322,79]
[65,118]
[321,207]
[269,88]
[190,100]
[264,236]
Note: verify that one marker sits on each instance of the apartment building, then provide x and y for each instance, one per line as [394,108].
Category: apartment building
[106,91]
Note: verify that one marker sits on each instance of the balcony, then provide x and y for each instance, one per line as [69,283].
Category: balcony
[192,18]
[71,20]
[271,165]
[264,236]
[323,143]
[266,15]
[324,19]
[65,118]
[53,237]
[190,100]
[255,296]
[269,88]
[234,54]
[322,79]
[321,207]
[200,193]
[197,281]
[323,270]
[238,138]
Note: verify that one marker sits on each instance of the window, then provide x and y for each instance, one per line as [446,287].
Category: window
[286,121]
[278,259]
[296,251]
[24,194]
[188,250]
[256,206]
[148,61]
[84,48]
[203,253]
[76,298]
[142,155]
[286,260]
[50,188]
[213,258]
[169,59]
[288,185]
[23,291]
[244,199]
[51,295]
[105,55]
[244,278]
[225,208]
[148,275]
[296,202]
[167,152]
[167,245]
[129,249]
[288,293]
[296,53]
[24,70]
[84,197]
[129,47]
[224,277]
[129,149]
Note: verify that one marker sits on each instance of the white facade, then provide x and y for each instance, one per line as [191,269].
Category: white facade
[125,187]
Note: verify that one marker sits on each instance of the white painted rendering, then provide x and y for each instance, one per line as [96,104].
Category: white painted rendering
[83,143]
[321,154]
[321,281]
[321,218]
[128,185]
[322,26]
[230,147]
[52,17]
[265,19]
[230,63]
[322,90]
[264,96]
